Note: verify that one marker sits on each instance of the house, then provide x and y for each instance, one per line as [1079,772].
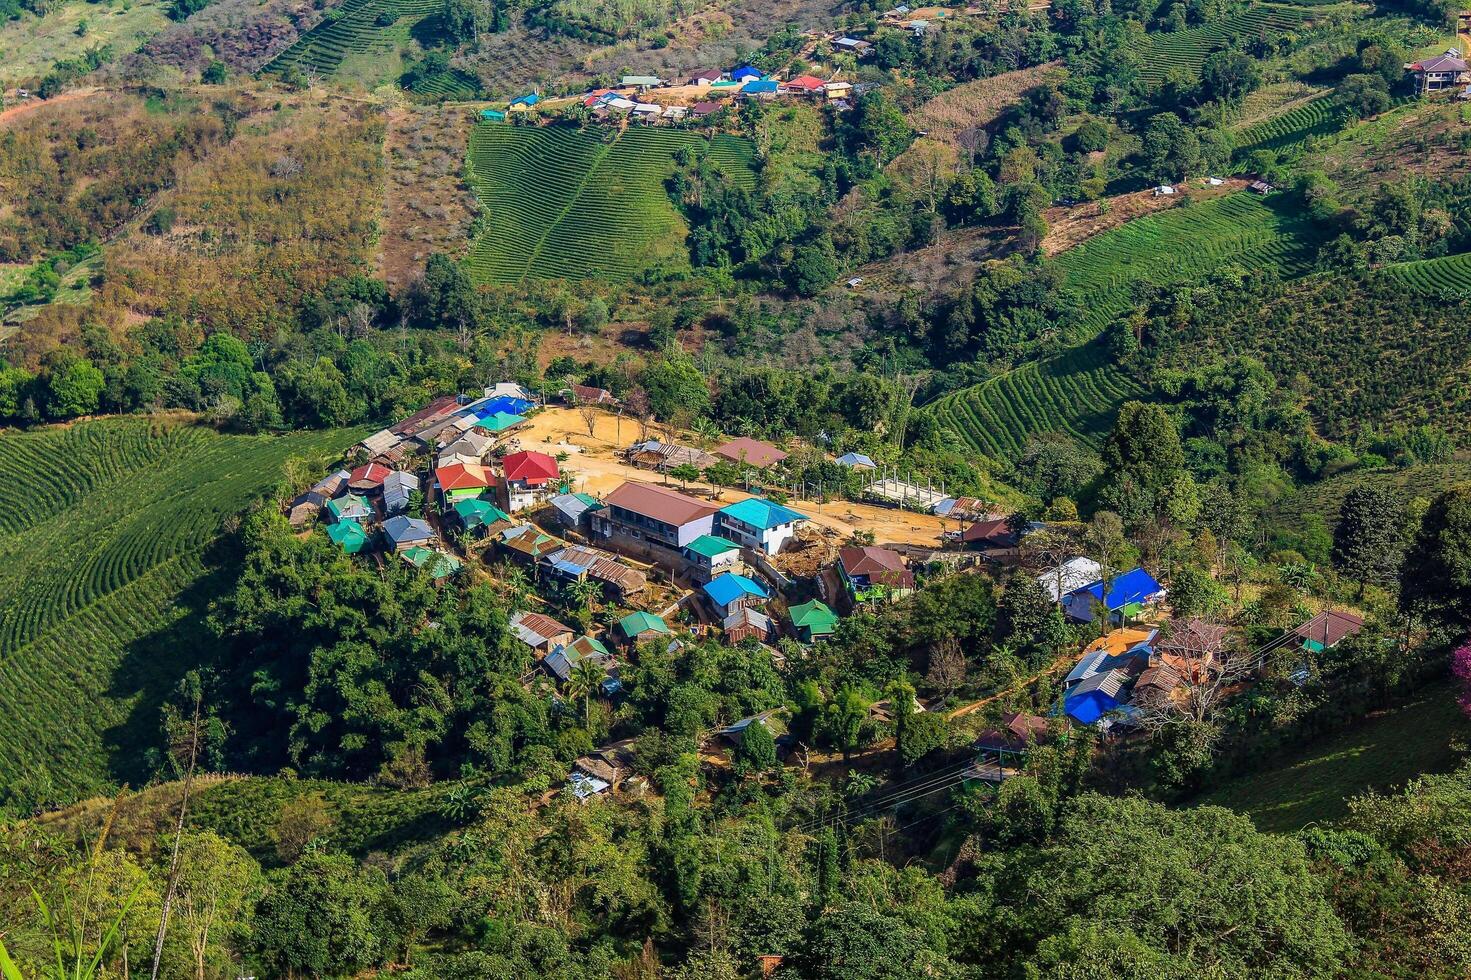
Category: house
[675,113]
[437,564]
[664,456]
[598,771]
[837,90]
[1157,684]
[712,555]
[1438,74]
[619,582]
[368,479]
[619,104]
[745,73]
[348,535]
[305,508]
[476,517]
[745,624]
[1096,696]
[527,101]
[348,508]
[857,461]
[561,661]
[492,115]
[852,45]
[761,88]
[405,532]
[381,443]
[597,96]
[647,111]
[1191,645]
[1127,595]
[332,485]
[1018,732]
[758,523]
[572,563]
[1215,181]
[540,632]
[812,621]
[731,592]
[640,82]
[805,85]
[398,487]
[735,731]
[470,446]
[706,77]
[993,535]
[527,545]
[702,109]
[1164,190]
[528,476]
[639,626]
[462,481]
[1068,577]
[645,512]
[1260,187]
[1328,629]
[874,573]
[435,412]
[751,452]
[587,395]
[499,422]
[573,510]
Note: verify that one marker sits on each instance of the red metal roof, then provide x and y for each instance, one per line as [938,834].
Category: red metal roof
[807,83]
[374,473]
[530,467]
[667,506]
[869,560]
[436,409]
[463,476]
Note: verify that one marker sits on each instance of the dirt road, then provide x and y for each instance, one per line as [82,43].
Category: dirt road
[32,104]
[598,470]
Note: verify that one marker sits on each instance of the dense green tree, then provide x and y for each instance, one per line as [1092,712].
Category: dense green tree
[74,387]
[1368,540]
[1144,445]
[1436,574]
[321,917]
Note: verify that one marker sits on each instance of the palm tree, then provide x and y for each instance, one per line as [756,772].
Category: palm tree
[587,677]
[517,585]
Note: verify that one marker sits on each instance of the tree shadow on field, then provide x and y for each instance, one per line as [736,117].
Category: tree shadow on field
[149,671]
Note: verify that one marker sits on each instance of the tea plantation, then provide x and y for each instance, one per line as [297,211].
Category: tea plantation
[1186,51]
[1080,391]
[352,28]
[1449,275]
[566,203]
[106,529]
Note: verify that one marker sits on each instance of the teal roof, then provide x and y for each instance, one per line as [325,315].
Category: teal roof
[348,535]
[728,588]
[436,563]
[499,422]
[641,622]
[814,616]
[710,545]
[477,512]
[762,513]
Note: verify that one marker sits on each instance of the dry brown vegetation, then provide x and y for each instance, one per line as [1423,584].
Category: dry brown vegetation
[245,34]
[427,206]
[1070,226]
[975,105]
[1423,138]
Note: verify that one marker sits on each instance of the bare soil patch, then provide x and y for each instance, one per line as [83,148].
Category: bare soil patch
[1072,225]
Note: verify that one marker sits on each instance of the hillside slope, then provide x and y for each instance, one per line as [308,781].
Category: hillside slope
[105,572]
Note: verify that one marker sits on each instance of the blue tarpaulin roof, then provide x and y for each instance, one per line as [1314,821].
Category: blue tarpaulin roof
[728,588]
[1096,696]
[760,86]
[1135,585]
[762,513]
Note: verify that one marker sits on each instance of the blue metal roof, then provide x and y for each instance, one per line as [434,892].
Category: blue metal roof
[744,72]
[728,588]
[760,86]
[856,459]
[762,513]
[403,528]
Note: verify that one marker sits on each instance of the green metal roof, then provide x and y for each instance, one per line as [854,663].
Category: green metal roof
[476,512]
[499,422]
[436,562]
[641,622]
[348,535]
[711,545]
[815,616]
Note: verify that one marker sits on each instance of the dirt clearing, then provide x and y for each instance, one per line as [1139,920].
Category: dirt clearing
[1073,225]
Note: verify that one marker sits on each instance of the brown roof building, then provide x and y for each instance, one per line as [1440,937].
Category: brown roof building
[644,511]
[1328,629]
[752,452]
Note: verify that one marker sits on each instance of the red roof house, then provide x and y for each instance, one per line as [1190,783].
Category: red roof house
[752,452]
[530,469]
[809,84]
[463,476]
[369,477]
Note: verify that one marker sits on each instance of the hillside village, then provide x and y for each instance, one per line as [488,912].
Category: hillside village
[451,491]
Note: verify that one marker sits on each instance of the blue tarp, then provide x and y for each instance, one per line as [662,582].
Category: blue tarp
[505,403]
[1134,586]
[728,588]
[1096,696]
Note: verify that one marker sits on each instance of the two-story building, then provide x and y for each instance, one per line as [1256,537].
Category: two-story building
[1439,74]
[758,523]
[645,513]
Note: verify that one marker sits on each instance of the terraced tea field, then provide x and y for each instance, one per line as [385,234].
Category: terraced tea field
[1184,243]
[566,203]
[1187,50]
[1080,391]
[452,83]
[354,29]
[1448,275]
[1320,117]
[1077,393]
[104,575]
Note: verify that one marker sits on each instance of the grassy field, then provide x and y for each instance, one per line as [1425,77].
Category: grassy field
[105,532]
[1079,392]
[1383,752]
[29,46]
[575,204]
